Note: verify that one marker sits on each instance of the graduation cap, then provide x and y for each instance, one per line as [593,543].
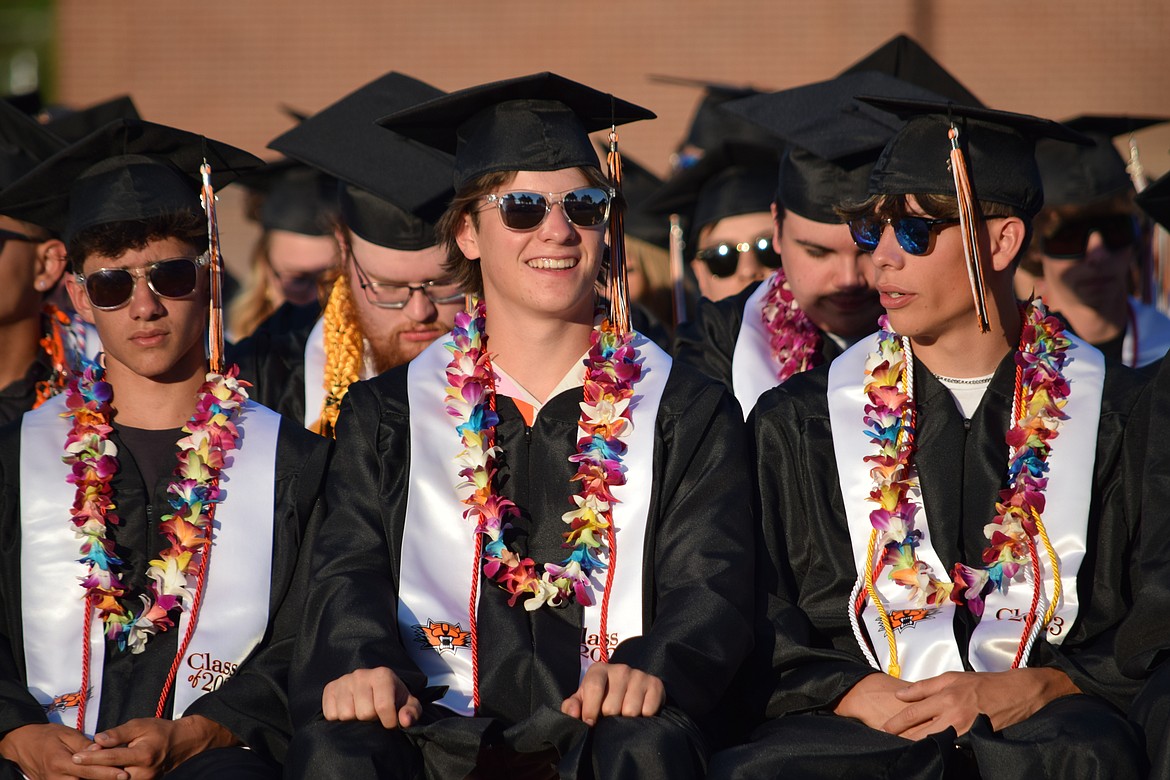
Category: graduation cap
[1079,175]
[128,170]
[833,140]
[75,125]
[295,197]
[539,122]
[903,58]
[1155,201]
[730,180]
[393,189]
[712,126]
[999,148]
[24,144]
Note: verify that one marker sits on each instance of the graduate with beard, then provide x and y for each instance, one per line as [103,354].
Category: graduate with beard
[392,297]
[537,554]
[947,518]
[134,640]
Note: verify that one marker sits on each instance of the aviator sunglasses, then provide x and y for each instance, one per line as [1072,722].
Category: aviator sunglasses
[522,211]
[1071,239]
[722,259]
[914,234]
[111,288]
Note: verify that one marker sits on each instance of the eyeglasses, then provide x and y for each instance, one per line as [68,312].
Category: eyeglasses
[1069,241]
[522,211]
[722,259]
[12,235]
[111,288]
[392,295]
[914,234]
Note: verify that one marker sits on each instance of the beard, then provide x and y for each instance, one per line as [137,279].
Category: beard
[388,350]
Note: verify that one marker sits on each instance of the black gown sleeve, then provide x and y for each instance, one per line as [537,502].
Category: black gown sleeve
[349,613]
[273,361]
[253,702]
[699,591]
[707,341]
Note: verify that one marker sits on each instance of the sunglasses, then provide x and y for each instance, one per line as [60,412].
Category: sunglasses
[722,259]
[522,211]
[395,295]
[111,288]
[12,235]
[1069,241]
[914,234]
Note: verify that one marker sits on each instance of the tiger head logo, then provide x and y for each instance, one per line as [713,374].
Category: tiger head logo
[64,702]
[902,619]
[442,637]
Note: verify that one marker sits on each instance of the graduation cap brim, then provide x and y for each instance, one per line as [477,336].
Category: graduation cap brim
[344,141]
[902,57]
[296,197]
[127,170]
[76,125]
[1112,125]
[24,144]
[539,122]
[1155,201]
[1079,176]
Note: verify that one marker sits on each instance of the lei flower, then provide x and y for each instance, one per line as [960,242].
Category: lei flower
[795,341]
[1041,393]
[612,368]
[211,433]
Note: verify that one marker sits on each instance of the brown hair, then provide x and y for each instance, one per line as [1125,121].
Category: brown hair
[464,270]
[115,238]
[937,206]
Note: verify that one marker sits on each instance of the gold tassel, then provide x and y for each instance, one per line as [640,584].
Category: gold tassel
[969,225]
[617,284]
[215,315]
[344,354]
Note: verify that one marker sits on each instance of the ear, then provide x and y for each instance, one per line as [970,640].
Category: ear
[1006,235]
[50,264]
[467,238]
[79,298]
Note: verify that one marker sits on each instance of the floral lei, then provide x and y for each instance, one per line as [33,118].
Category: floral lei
[64,346]
[612,368]
[795,341]
[1041,394]
[211,434]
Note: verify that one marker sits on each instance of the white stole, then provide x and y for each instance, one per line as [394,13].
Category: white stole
[315,373]
[753,369]
[438,546]
[1153,335]
[234,613]
[927,645]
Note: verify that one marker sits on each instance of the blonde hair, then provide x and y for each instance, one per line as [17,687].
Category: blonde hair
[253,304]
[344,354]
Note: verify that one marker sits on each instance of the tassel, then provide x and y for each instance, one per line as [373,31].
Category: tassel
[215,317]
[617,284]
[968,224]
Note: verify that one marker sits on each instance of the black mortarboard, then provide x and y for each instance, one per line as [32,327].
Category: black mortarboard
[730,180]
[128,170]
[1078,175]
[712,126]
[833,140]
[902,58]
[999,148]
[531,123]
[24,144]
[1155,201]
[295,197]
[75,125]
[392,189]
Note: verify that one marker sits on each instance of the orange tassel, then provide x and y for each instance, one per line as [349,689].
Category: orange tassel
[215,316]
[969,225]
[617,284]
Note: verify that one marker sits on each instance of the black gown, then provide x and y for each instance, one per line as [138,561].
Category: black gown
[707,341]
[18,397]
[252,703]
[697,586]
[806,649]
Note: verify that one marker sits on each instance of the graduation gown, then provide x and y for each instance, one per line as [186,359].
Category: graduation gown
[696,578]
[806,648]
[273,360]
[708,341]
[251,703]
[19,396]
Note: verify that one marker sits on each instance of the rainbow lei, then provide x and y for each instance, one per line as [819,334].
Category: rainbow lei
[211,434]
[612,368]
[1041,393]
[795,341]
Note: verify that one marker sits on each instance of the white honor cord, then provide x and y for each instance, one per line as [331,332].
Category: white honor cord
[856,625]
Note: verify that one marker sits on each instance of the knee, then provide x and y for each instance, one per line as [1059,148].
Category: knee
[351,750]
[633,747]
